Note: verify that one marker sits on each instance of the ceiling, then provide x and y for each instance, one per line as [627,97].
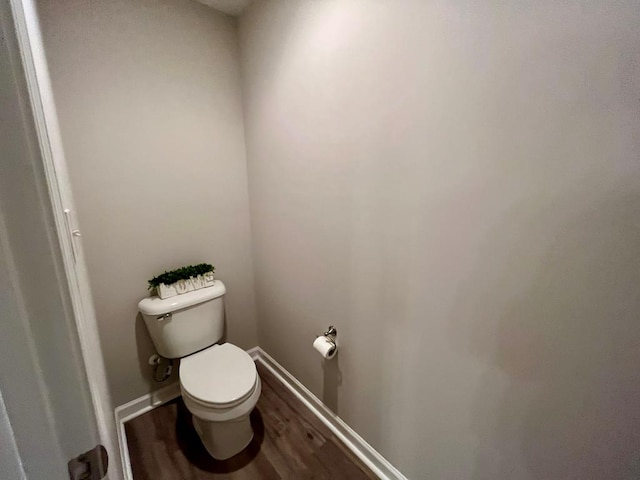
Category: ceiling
[231,7]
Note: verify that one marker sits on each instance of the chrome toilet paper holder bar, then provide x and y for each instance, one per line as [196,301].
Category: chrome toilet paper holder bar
[331,335]
[331,332]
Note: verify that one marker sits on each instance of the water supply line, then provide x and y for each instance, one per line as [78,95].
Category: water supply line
[156,362]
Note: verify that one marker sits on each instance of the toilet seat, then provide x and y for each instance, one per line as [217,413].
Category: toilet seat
[219,377]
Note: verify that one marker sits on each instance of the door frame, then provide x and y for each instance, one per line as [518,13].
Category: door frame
[59,191]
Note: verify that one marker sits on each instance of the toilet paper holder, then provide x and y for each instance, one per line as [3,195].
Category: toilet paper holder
[331,332]
[331,335]
[325,344]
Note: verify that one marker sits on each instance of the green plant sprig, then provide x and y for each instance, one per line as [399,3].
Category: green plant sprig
[183,273]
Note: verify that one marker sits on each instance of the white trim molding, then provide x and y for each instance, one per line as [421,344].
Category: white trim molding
[134,409]
[255,353]
[365,452]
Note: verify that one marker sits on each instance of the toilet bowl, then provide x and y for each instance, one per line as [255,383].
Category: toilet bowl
[219,382]
[220,387]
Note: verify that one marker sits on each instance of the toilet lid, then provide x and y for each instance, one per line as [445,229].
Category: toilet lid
[221,374]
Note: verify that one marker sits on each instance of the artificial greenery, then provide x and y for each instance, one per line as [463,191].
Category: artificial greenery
[184,273]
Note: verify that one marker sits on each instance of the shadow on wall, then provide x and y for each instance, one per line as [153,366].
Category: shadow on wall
[560,396]
[331,382]
[145,348]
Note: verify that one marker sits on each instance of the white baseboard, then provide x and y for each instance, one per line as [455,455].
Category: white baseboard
[365,452]
[254,352]
[135,408]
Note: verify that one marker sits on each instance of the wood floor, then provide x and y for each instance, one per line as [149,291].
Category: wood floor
[289,443]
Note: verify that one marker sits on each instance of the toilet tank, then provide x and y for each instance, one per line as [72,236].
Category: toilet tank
[187,323]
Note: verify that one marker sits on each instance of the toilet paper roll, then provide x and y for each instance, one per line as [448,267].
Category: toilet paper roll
[324,347]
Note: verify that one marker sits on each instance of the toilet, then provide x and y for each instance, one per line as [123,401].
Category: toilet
[219,382]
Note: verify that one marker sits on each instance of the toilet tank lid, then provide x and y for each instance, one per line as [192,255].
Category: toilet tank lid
[157,306]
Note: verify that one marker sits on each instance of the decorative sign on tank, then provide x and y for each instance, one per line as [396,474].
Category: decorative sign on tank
[182,280]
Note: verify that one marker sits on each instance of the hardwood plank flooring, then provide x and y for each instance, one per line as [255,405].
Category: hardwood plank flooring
[289,443]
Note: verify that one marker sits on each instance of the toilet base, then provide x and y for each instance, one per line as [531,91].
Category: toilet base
[224,439]
[224,432]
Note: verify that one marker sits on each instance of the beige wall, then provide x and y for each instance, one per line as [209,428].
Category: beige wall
[148,95]
[452,184]
[455,186]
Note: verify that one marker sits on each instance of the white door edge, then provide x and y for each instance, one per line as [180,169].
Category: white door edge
[48,130]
